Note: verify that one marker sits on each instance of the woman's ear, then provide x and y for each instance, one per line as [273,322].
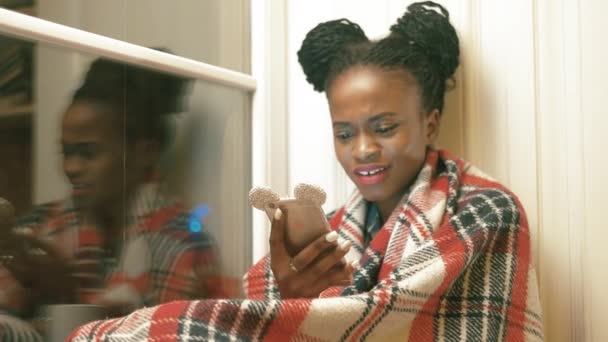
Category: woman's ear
[432,122]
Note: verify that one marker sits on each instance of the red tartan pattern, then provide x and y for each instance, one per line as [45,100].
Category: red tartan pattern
[177,265]
[452,263]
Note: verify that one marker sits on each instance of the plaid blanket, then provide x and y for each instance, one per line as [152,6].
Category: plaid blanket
[452,263]
[160,260]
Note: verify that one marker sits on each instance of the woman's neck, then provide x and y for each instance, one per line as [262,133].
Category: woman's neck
[110,216]
[387,206]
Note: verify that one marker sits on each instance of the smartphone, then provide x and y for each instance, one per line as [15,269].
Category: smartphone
[306,221]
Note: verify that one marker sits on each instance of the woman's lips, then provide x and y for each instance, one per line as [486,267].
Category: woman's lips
[79,189]
[370,175]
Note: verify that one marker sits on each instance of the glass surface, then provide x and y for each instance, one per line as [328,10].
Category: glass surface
[130,185]
[211,31]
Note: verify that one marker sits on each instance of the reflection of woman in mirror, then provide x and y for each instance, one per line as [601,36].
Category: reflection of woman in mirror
[443,250]
[119,241]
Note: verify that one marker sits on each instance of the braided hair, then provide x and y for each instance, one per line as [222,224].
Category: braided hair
[422,42]
[141,99]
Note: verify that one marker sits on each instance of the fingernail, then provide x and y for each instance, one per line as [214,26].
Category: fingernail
[345,245]
[331,237]
[277,214]
[355,264]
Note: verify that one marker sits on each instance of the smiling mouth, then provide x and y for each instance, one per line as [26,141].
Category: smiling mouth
[370,172]
[79,189]
[371,175]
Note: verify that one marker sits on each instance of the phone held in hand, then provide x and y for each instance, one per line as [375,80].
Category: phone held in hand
[306,220]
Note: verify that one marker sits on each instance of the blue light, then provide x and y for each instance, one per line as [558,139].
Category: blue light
[195,226]
[200,211]
[196,220]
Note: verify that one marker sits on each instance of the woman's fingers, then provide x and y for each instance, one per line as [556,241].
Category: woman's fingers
[329,259]
[339,275]
[318,266]
[39,247]
[330,270]
[311,252]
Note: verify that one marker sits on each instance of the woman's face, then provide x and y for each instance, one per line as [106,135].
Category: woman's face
[94,157]
[380,130]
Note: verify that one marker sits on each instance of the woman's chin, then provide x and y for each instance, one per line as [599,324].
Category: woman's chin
[372,196]
[81,202]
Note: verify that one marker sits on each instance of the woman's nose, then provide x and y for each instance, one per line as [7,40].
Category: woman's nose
[72,166]
[366,149]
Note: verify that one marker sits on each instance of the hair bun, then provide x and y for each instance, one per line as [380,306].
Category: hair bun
[322,44]
[147,97]
[427,25]
[156,91]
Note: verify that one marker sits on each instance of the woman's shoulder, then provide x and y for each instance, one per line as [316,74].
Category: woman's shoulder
[472,181]
[484,198]
[475,182]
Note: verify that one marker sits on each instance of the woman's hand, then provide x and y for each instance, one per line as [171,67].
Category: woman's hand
[40,267]
[318,266]
[36,264]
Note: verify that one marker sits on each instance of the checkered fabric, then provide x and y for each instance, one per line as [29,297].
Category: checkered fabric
[158,259]
[451,264]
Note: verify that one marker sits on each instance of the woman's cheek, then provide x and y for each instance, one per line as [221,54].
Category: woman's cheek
[342,155]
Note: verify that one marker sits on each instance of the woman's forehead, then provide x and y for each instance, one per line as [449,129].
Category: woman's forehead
[84,121]
[372,72]
[373,90]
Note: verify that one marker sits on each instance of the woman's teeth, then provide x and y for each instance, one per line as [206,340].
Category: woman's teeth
[372,172]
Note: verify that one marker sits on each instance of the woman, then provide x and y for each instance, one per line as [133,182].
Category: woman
[119,241]
[444,251]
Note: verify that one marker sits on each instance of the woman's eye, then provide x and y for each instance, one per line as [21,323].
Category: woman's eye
[385,129]
[343,135]
[68,150]
[88,152]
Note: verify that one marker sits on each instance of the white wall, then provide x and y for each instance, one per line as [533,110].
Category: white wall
[269,123]
[212,133]
[528,109]
[571,92]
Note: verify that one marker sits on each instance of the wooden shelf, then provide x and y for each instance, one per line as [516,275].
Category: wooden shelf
[16,111]
[15,107]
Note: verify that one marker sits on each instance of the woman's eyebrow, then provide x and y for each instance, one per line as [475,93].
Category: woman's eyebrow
[340,124]
[381,116]
[374,118]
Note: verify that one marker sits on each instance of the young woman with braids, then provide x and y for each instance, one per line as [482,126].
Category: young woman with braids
[120,240]
[443,251]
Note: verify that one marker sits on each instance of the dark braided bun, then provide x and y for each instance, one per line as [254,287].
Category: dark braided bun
[322,44]
[146,97]
[151,92]
[427,25]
